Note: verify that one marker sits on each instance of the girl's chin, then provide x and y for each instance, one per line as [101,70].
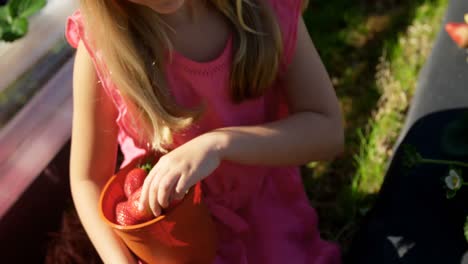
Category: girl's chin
[168,7]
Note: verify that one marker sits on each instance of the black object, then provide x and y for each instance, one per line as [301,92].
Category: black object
[412,206]
[412,220]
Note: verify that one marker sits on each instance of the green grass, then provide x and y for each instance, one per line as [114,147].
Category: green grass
[396,79]
[373,51]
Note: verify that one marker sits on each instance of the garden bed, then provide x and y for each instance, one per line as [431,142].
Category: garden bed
[35,100]
[35,127]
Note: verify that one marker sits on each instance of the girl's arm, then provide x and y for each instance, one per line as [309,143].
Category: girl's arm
[93,156]
[313,131]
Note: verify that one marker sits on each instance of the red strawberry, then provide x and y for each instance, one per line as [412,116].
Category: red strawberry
[132,207]
[127,213]
[459,33]
[134,180]
[122,217]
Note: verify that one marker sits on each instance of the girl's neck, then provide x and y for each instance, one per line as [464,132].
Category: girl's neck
[188,13]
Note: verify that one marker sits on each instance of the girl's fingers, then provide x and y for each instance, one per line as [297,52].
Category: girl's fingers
[145,188]
[144,192]
[182,186]
[144,197]
[166,188]
[153,195]
[178,196]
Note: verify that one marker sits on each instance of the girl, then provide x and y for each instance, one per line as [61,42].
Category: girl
[233,93]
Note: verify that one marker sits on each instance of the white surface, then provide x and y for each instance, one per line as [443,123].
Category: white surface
[45,29]
[34,136]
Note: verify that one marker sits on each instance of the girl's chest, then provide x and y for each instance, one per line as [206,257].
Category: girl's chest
[211,92]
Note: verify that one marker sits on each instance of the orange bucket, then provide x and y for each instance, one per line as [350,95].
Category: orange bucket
[184,234]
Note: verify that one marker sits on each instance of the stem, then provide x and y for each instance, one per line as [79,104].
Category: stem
[447,162]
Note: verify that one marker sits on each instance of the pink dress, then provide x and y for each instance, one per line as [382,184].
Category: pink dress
[262,213]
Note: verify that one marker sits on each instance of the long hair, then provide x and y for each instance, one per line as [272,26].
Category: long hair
[133,41]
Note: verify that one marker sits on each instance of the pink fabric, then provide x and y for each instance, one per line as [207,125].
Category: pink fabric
[262,213]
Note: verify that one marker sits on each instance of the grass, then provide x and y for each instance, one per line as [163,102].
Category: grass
[396,79]
[373,51]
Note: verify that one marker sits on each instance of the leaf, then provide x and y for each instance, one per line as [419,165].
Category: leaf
[10,36]
[13,5]
[37,5]
[20,26]
[13,18]
[16,30]
[5,14]
[3,27]
[26,8]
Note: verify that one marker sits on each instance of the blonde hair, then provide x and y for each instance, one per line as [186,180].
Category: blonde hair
[133,44]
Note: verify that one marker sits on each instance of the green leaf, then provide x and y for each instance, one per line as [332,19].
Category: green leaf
[4,26]
[5,31]
[16,30]
[26,8]
[20,26]
[10,36]
[35,7]
[5,14]
[13,18]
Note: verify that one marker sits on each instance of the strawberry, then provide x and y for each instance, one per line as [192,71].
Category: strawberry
[127,213]
[459,33]
[135,179]
[132,206]
[122,216]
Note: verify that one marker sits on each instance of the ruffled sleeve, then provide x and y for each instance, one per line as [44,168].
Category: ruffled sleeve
[74,29]
[288,13]
[74,33]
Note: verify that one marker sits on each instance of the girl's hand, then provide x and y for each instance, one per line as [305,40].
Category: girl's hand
[176,172]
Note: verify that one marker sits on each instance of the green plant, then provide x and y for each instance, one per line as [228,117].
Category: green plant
[14,18]
[373,51]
